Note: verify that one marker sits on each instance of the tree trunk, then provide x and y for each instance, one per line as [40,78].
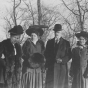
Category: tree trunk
[39,12]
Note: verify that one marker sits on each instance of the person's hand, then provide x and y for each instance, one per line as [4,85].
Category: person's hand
[59,60]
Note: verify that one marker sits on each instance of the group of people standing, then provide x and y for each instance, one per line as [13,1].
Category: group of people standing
[37,57]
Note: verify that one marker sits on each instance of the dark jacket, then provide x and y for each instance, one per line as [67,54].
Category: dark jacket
[57,73]
[10,60]
[79,66]
[29,49]
[54,51]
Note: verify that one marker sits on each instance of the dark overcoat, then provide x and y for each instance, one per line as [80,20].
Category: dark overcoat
[78,66]
[57,76]
[11,62]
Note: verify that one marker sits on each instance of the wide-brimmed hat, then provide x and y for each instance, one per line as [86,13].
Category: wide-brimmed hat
[57,27]
[82,33]
[16,30]
[33,29]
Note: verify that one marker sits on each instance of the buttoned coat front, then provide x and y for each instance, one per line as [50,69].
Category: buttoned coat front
[57,73]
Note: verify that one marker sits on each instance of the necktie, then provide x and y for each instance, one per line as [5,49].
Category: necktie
[56,41]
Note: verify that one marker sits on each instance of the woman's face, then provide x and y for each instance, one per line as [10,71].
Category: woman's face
[82,40]
[15,39]
[34,36]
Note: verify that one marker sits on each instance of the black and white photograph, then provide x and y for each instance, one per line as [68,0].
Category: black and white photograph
[43,44]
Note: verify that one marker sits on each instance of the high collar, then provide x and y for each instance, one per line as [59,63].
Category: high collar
[56,39]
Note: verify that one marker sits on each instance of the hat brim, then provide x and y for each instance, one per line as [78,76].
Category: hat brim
[39,32]
[83,34]
[57,30]
[15,34]
[16,30]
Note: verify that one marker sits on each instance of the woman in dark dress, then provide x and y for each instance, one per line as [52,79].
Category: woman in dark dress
[10,57]
[33,48]
[79,61]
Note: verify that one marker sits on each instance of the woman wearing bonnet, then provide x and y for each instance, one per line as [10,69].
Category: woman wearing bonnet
[79,61]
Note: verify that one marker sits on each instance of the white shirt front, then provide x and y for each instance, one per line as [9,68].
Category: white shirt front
[14,49]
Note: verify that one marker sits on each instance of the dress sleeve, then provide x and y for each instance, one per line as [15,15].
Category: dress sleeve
[75,62]
[1,48]
[46,54]
[43,47]
[2,56]
[25,49]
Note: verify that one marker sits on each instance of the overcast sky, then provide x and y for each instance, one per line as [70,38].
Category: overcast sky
[6,4]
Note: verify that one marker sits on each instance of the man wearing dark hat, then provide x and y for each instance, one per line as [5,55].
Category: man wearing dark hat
[10,54]
[57,54]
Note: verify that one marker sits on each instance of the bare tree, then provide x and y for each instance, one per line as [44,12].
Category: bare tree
[79,10]
[15,6]
[29,13]
[39,11]
[26,14]
[13,16]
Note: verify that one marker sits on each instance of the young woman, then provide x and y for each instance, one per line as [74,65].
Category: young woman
[79,61]
[33,50]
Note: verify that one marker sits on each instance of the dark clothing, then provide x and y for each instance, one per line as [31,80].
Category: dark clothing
[78,66]
[29,48]
[57,74]
[11,62]
[35,78]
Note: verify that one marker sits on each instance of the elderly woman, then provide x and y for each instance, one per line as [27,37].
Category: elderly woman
[33,50]
[10,56]
[79,61]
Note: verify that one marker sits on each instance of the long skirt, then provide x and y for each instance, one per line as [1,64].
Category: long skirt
[32,78]
[78,80]
[1,76]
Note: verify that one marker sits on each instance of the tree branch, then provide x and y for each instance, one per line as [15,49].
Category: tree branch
[69,8]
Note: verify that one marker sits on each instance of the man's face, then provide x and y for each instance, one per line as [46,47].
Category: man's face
[15,39]
[58,34]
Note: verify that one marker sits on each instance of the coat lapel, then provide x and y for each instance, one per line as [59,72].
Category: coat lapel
[60,48]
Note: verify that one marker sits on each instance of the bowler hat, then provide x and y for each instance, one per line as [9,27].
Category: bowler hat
[82,33]
[36,30]
[57,27]
[16,30]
